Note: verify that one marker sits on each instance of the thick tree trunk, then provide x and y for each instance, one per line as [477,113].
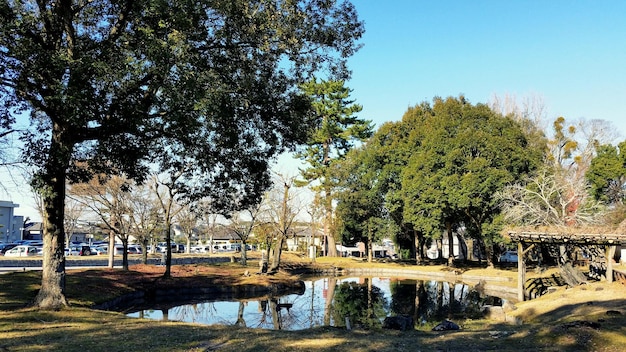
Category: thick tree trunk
[244,253]
[124,253]
[52,292]
[331,245]
[277,252]
[168,251]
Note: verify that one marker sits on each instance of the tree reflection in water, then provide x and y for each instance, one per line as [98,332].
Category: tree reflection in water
[328,301]
[362,303]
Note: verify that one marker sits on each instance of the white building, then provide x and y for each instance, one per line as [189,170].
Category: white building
[10,225]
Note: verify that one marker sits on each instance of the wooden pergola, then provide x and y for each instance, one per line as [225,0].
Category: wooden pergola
[610,241]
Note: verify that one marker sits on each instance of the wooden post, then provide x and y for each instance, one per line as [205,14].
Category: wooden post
[521,272]
[111,249]
[610,253]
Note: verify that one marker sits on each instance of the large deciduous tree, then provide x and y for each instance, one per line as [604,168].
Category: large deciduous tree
[109,199]
[560,194]
[209,83]
[337,129]
[243,223]
[282,206]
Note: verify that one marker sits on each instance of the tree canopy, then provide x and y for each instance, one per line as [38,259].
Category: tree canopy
[607,173]
[448,161]
[337,129]
[209,88]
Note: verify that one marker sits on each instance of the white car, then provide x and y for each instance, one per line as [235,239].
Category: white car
[97,250]
[508,257]
[22,251]
[200,249]
[134,249]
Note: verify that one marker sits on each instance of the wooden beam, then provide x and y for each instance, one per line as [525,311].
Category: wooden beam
[528,249]
[610,253]
[521,273]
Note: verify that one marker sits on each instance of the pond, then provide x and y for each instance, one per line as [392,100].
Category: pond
[329,301]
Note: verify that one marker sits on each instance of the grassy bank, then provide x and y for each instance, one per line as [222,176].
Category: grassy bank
[566,320]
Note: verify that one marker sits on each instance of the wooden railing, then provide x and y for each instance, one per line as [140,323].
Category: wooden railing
[620,275]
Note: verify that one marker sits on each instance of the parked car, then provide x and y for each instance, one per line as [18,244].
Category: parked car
[5,247]
[21,251]
[98,250]
[176,248]
[86,250]
[117,250]
[134,249]
[72,251]
[508,257]
[200,249]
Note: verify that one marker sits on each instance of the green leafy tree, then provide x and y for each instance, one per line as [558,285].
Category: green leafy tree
[391,149]
[125,85]
[607,174]
[337,129]
[361,210]
[465,154]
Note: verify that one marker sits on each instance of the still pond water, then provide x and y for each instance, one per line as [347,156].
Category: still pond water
[328,301]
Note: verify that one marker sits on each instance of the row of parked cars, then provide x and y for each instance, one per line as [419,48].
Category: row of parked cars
[35,248]
[21,248]
[101,249]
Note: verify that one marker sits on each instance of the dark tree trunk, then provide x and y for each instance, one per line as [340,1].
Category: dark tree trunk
[144,251]
[168,252]
[244,253]
[124,252]
[52,292]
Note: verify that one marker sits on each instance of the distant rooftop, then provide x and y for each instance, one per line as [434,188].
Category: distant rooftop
[8,204]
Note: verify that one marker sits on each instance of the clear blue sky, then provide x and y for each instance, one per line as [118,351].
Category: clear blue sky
[570,53]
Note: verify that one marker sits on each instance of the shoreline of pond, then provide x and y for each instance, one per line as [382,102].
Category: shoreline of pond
[501,285]
[491,286]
